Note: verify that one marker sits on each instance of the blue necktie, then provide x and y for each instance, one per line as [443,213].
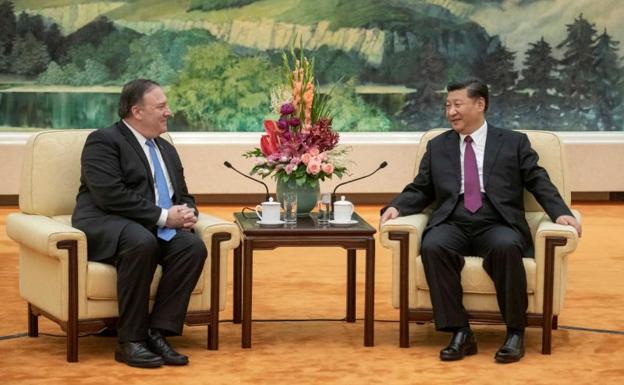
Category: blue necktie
[164,200]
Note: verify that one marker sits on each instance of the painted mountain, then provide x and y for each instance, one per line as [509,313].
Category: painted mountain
[550,64]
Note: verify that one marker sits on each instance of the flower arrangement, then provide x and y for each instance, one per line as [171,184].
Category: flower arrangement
[300,146]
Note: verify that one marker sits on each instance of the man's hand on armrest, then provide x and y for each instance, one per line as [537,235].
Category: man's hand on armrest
[390,213]
[571,221]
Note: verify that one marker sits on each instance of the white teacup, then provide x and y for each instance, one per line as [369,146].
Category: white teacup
[343,210]
[269,212]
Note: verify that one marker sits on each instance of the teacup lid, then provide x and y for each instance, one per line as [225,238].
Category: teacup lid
[343,202]
[270,202]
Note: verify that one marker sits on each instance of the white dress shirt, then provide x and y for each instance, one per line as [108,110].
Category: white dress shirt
[478,145]
[141,139]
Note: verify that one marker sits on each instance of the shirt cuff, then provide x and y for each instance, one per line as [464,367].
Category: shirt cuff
[162,220]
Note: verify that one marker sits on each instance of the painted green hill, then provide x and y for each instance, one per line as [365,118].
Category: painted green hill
[340,13]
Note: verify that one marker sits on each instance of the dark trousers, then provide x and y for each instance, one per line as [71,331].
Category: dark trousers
[482,234]
[138,254]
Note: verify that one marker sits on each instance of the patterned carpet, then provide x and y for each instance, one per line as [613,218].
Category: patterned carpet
[306,283]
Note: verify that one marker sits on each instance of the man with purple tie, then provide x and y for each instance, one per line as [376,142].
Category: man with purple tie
[475,174]
[135,209]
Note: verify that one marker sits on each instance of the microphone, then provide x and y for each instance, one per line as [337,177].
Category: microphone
[333,195]
[229,165]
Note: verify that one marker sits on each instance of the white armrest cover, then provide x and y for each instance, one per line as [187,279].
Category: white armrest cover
[414,225]
[546,228]
[206,227]
[44,276]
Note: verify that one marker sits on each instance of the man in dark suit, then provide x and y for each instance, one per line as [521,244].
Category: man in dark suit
[476,175]
[136,212]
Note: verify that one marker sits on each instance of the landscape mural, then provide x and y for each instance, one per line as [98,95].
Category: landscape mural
[550,64]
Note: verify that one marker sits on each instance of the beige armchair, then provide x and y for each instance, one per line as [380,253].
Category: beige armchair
[56,278]
[546,273]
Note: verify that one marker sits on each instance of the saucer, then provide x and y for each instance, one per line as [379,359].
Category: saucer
[348,223]
[276,223]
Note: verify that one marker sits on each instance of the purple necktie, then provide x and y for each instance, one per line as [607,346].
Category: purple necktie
[472,191]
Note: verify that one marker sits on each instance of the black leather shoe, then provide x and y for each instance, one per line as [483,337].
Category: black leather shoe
[512,349]
[463,343]
[158,344]
[138,355]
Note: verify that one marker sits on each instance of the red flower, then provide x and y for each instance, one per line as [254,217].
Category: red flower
[270,144]
[271,127]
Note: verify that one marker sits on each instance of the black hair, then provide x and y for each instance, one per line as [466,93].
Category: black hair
[132,94]
[475,87]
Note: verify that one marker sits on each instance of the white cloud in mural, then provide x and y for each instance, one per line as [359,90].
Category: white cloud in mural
[520,22]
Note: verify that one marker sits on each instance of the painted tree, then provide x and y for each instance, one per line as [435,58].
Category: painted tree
[54,74]
[29,56]
[7,28]
[539,84]
[92,33]
[54,40]
[540,69]
[30,24]
[424,107]
[146,61]
[609,83]
[48,33]
[218,90]
[94,73]
[430,72]
[578,73]
[354,113]
[497,69]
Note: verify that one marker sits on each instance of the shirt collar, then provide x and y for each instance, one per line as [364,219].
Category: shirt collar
[478,136]
[136,133]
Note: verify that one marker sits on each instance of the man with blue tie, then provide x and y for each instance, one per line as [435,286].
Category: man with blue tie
[135,209]
[475,174]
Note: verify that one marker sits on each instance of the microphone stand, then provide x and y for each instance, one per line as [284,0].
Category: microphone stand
[267,196]
[333,194]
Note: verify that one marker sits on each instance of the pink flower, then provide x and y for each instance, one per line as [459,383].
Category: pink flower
[327,168]
[314,151]
[305,158]
[290,168]
[295,160]
[323,156]
[314,167]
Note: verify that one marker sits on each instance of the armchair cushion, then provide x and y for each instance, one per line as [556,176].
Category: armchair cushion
[102,279]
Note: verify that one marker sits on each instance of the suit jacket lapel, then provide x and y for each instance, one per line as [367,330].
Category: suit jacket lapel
[493,144]
[452,148]
[134,143]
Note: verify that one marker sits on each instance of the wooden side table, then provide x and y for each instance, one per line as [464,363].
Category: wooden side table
[306,233]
